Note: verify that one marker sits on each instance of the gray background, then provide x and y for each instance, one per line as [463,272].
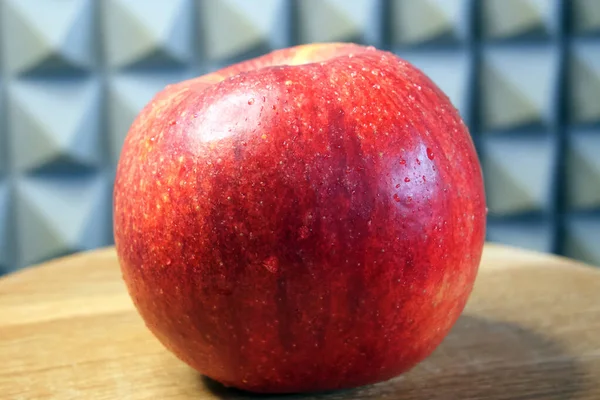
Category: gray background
[525,75]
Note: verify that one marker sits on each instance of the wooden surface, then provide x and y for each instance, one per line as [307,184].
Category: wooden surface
[531,331]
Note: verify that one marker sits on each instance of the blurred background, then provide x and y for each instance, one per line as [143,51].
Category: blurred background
[525,74]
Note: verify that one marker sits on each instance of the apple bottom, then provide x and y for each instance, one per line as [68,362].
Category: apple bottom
[305,343]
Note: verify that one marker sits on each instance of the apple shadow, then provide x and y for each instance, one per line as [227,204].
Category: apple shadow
[479,359]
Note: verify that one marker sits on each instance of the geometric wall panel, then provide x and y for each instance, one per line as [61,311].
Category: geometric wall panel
[584,76]
[504,19]
[127,95]
[54,124]
[60,216]
[429,21]
[582,238]
[535,235]
[233,28]
[513,97]
[338,20]
[583,170]
[45,36]
[4,152]
[518,173]
[5,259]
[450,69]
[139,34]
[585,16]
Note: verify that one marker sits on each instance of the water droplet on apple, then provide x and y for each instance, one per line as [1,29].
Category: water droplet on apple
[424,179]
[407,179]
[429,153]
[397,186]
[251,101]
[376,86]
[402,162]
[408,199]
[396,197]
[271,264]
[303,232]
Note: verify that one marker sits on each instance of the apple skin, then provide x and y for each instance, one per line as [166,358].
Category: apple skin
[309,220]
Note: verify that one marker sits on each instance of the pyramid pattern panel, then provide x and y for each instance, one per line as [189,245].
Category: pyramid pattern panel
[584,81]
[5,258]
[525,75]
[234,29]
[534,233]
[415,23]
[338,20]
[60,216]
[54,124]
[518,87]
[47,36]
[519,19]
[583,169]
[3,140]
[585,17]
[518,171]
[582,235]
[137,34]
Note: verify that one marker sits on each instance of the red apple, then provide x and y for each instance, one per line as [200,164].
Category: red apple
[312,219]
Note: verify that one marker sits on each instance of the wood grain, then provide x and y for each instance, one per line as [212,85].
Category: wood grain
[531,330]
